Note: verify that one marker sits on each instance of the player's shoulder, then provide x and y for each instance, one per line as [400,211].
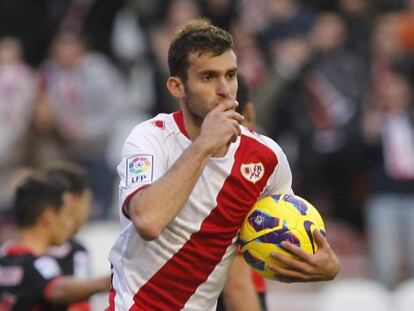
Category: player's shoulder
[161,126]
[77,245]
[262,139]
[47,267]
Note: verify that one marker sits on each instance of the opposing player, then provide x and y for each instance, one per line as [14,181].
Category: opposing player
[187,181]
[72,256]
[29,278]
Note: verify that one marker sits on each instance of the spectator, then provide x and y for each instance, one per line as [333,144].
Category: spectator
[388,130]
[179,11]
[17,92]
[324,116]
[87,95]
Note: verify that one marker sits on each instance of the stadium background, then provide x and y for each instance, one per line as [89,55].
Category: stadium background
[75,76]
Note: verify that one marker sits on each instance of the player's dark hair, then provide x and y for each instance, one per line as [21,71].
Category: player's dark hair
[33,196]
[243,94]
[196,36]
[72,177]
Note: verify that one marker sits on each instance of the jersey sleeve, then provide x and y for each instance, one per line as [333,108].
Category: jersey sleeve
[281,179]
[46,273]
[144,160]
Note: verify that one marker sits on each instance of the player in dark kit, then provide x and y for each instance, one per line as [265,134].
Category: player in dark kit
[72,256]
[30,279]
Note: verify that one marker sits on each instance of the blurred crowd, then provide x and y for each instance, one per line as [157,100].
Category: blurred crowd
[332,83]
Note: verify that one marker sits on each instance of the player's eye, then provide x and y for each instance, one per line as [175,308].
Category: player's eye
[207,77]
[231,75]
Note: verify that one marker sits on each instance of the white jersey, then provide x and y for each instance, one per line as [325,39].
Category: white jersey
[186,266]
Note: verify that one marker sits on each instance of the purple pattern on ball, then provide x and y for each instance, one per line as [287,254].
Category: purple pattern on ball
[253,261]
[260,221]
[297,203]
[276,197]
[278,236]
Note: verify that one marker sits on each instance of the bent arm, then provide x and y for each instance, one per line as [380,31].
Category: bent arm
[65,290]
[152,208]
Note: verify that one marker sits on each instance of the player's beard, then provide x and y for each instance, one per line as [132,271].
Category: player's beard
[196,107]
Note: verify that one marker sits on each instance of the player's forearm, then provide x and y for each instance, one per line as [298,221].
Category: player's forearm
[239,291]
[154,207]
[69,290]
[240,299]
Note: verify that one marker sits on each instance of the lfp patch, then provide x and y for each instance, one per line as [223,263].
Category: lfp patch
[139,169]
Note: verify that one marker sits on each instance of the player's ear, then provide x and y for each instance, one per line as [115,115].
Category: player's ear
[176,87]
[68,198]
[48,217]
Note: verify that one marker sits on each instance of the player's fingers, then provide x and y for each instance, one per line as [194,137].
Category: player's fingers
[296,278]
[320,239]
[293,263]
[287,275]
[232,114]
[296,250]
[230,104]
[236,126]
[285,279]
[236,131]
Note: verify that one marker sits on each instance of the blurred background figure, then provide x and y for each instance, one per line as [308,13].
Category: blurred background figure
[16,96]
[17,92]
[388,129]
[87,95]
[316,116]
[178,12]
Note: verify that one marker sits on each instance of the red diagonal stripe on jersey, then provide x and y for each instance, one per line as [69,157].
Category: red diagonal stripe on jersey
[172,286]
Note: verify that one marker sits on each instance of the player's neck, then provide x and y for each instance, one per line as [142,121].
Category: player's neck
[192,126]
[35,239]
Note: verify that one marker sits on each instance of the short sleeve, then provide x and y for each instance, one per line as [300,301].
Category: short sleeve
[46,272]
[144,160]
[281,179]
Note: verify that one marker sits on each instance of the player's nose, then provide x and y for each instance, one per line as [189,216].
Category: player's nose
[223,88]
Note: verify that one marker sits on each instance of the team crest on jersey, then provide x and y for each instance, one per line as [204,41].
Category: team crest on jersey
[139,169]
[253,172]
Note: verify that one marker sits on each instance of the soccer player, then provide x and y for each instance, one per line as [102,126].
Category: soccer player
[30,279]
[72,256]
[187,181]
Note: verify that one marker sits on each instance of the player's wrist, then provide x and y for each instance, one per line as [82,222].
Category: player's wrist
[202,147]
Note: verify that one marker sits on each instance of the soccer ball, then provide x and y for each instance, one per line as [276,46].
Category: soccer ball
[274,219]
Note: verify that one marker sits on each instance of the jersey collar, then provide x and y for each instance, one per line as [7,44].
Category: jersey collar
[16,250]
[178,118]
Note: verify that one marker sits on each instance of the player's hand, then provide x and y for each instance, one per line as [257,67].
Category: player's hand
[322,266]
[221,126]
